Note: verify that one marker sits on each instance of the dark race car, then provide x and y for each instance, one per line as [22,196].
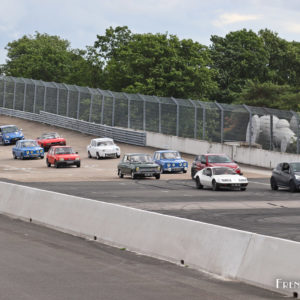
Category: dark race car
[286,175]
[46,140]
[138,165]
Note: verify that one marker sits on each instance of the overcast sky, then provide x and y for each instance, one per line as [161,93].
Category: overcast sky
[80,21]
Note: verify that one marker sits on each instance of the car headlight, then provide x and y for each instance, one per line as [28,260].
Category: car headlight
[7,136]
[61,159]
[297,177]
[77,158]
[180,164]
[226,180]
[41,151]
[158,168]
[173,165]
[27,152]
[184,164]
[169,165]
[137,169]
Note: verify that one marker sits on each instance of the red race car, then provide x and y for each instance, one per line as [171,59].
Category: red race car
[62,156]
[46,140]
[213,160]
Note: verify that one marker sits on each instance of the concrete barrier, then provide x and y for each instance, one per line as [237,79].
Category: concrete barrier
[230,253]
[251,156]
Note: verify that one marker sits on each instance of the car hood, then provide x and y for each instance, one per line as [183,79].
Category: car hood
[66,156]
[13,134]
[233,178]
[176,160]
[229,165]
[52,140]
[145,165]
[31,148]
[112,147]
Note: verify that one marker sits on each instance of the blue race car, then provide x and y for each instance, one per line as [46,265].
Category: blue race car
[170,161]
[27,149]
[10,134]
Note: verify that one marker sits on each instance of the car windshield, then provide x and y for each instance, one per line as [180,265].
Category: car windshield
[64,150]
[27,144]
[295,167]
[222,171]
[107,143]
[170,155]
[218,159]
[46,136]
[10,129]
[140,158]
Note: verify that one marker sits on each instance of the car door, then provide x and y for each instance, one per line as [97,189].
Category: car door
[18,149]
[124,166]
[285,175]
[93,148]
[51,156]
[206,177]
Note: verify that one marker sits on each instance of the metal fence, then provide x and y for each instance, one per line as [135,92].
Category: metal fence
[216,122]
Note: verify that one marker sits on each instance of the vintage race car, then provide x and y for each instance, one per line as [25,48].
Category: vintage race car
[46,140]
[220,177]
[103,147]
[138,165]
[10,134]
[27,149]
[62,156]
[170,161]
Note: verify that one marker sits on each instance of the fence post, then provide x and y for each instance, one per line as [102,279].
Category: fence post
[4,93]
[68,100]
[297,120]
[91,104]
[222,121]
[78,101]
[113,108]
[159,113]
[25,91]
[34,97]
[144,111]
[57,97]
[45,96]
[271,132]
[15,91]
[129,110]
[177,115]
[195,117]
[102,106]
[203,118]
[250,124]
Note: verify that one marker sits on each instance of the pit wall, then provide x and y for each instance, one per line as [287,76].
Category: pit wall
[233,254]
[250,156]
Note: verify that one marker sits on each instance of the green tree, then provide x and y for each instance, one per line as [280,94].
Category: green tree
[162,65]
[239,56]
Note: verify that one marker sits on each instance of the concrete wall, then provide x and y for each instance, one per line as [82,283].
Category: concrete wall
[230,253]
[245,155]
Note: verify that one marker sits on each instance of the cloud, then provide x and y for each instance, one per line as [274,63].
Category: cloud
[292,27]
[230,18]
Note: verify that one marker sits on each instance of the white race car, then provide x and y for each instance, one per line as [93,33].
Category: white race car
[103,147]
[220,177]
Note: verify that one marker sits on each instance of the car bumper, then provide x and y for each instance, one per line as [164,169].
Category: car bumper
[174,169]
[108,154]
[232,186]
[146,174]
[68,162]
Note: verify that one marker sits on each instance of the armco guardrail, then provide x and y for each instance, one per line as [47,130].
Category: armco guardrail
[118,134]
[260,260]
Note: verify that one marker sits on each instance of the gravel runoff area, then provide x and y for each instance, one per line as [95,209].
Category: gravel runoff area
[35,170]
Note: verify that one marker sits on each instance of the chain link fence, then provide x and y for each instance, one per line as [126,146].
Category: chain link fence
[248,126]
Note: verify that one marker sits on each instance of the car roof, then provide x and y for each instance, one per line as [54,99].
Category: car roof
[4,126]
[163,151]
[102,139]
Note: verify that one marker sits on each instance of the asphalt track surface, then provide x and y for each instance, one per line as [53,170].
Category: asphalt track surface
[39,263]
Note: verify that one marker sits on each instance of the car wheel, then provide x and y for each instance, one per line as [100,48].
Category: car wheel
[198,184]
[56,165]
[184,171]
[78,165]
[120,174]
[47,163]
[157,176]
[98,156]
[215,186]
[243,189]
[192,174]
[117,156]
[14,155]
[293,187]
[21,156]
[133,176]
[89,154]
[42,157]
[274,185]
